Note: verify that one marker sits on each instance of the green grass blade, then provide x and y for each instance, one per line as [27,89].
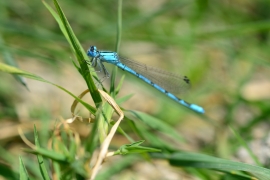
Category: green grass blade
[119,25]
[158,124]
[13,70]
[57,169]
[112,85]
[121,131]
[154,140]
[74,41]
[186,159]
[49,154]
[124,98]
[92,140]
[7,173]
[23,172]
[72,146]
[77,48]
[244,144]
[149,136]
[119,84]
[118,41]
[10,61]
[135,148]
[118,167]
[41,162]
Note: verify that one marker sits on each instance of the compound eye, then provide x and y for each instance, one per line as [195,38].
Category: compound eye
[93,48]
[92,51]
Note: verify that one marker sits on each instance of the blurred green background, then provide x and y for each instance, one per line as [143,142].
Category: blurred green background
[222,46]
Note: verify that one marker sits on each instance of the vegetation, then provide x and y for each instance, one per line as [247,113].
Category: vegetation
[125,125]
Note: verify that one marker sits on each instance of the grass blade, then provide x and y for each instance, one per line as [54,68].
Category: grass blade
[13,70]
[23,172]
[77,48]
[41,162]
[10,61]
[187,159]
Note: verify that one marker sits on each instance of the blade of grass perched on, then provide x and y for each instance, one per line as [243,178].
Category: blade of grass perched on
[84,70]
[77,48]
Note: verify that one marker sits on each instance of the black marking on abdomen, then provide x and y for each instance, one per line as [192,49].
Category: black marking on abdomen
[123,68]
[186,79]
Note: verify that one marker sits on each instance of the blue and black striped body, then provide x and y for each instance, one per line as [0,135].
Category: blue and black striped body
[126,65]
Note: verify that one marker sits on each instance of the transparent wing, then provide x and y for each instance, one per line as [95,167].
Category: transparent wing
[171,82]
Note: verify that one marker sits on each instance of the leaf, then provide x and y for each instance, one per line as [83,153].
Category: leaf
[77,48]
[158,124]
[49,154]
[134,148]
[41,162]
[13,70]
[119,84]
[23,172]
[118,167]
[10,61]
[244,144]
[123,99]
[187,159]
